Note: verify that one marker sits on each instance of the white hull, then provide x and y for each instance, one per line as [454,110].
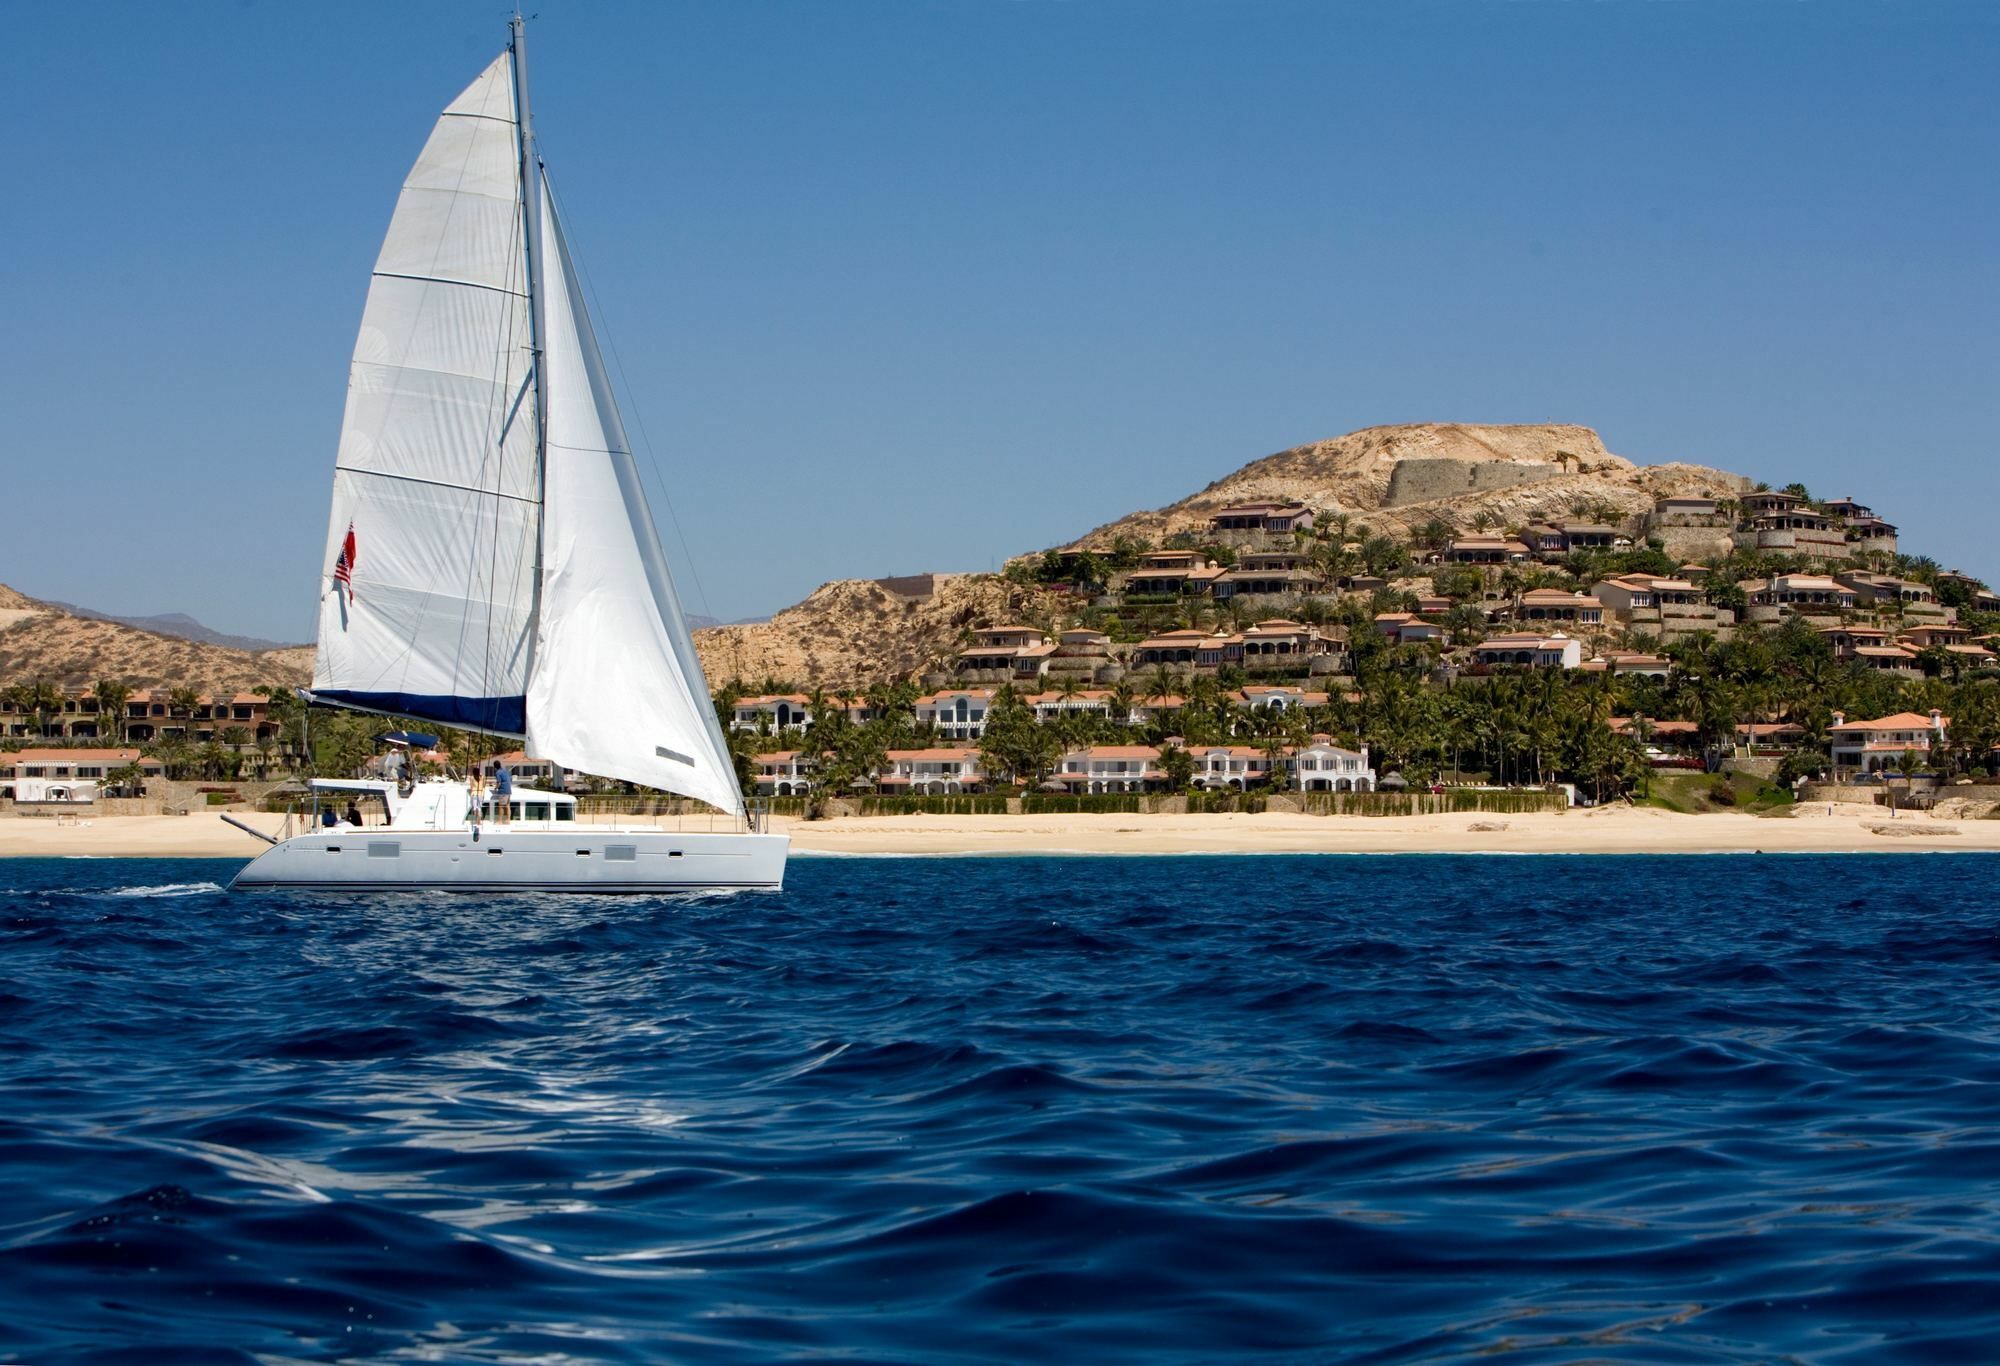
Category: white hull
[564,858]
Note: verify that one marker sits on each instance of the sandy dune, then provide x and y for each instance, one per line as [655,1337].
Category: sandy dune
[1613,830]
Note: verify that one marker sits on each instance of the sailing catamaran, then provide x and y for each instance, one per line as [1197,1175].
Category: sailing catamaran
[492,562]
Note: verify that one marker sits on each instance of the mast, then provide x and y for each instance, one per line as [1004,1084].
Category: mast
[531,209]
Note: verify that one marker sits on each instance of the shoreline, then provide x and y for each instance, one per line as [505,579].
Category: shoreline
[1818,829]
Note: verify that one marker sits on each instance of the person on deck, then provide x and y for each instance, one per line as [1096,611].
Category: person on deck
[503,793]
[353,814]
[328,817]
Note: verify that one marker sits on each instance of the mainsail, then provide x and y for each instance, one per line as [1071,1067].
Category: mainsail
[437,465]
[502,578]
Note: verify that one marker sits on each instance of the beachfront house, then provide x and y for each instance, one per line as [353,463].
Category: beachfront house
[932,772]
[1110,768]
[66,775]
[1323,766]
[1879,745]
[783,773]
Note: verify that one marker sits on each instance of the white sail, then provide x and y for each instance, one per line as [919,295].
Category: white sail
[617,688]
[437,473]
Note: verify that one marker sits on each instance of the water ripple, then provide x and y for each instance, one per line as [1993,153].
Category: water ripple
[1358,1109]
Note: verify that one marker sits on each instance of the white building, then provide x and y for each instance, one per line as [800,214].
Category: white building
[933,772]
[783,773]
[1325,767]
[771,712]
[958,713]
[1873,746]
[1110,768]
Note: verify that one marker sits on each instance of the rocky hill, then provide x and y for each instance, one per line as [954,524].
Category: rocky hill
[39,640]
[1396,479]
[854,632]
[1392,479]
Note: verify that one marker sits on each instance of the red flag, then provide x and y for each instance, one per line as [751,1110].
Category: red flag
[343,567]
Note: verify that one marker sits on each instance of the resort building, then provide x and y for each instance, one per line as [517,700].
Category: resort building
[1687,510]
[1617,663]
[958,713]
[1977,594]
[1811,595]
[1110,768]
[1887,591]
[1873,746]
[1272,519]
[771,712]
[1922,637]
[1408,629]
[1191,580]
[1890,659]
[1846,637]
[1795,531]
[1552,541]
[1280,644]
[66,775]
[526,772]
[1530,651]
[1323,766]
[1668,608]
[783,773]
[1552,604]
[1278,699]
[1014,651]
[1229,766]
[933,772]
[1485,550]
[1047,706]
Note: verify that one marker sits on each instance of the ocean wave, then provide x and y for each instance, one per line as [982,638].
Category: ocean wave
[996,1109]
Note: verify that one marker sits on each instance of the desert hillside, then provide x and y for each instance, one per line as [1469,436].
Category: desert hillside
[854,632]
[40,641]
[1398,478]
[1393,479]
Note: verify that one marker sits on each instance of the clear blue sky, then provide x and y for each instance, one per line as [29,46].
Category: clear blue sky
[904,286]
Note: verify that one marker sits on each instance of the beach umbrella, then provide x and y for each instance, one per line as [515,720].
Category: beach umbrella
[1395,782]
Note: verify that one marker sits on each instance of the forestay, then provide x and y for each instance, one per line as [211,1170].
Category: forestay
[436,472]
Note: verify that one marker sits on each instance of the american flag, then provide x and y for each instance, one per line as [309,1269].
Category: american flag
[343,566]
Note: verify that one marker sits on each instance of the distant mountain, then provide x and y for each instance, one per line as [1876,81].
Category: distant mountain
[175,624]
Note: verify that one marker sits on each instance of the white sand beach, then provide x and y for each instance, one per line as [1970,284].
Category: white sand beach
[1610,830]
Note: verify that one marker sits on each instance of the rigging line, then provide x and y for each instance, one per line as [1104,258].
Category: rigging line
[659,476]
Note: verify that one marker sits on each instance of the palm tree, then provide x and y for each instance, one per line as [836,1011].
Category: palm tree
[185,701]
[45,699]
[112,696]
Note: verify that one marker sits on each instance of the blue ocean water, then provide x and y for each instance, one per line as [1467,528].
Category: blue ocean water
[1311,1109]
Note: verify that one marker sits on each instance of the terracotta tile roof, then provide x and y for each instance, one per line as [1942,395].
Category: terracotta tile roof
[1902,720]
